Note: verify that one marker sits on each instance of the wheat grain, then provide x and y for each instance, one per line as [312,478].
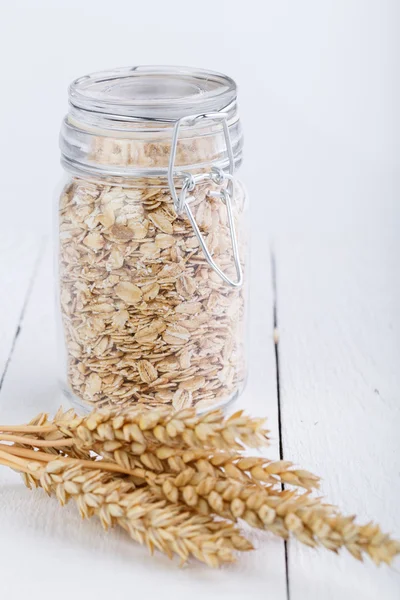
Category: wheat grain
[238,467]
[164,425]
[281,512]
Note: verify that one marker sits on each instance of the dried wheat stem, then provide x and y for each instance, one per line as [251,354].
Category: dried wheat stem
[43,457]
[9,463]
[170,529]
[27,441]
[42,429]
[15,460]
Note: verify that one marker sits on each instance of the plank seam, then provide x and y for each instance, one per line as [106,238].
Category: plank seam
[18,329]
[278,392]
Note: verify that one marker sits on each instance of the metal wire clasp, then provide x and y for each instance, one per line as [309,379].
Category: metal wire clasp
[216,175]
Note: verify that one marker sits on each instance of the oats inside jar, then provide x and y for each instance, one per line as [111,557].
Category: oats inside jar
[145,318]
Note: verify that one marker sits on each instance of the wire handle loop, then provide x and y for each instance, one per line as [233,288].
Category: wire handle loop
[217,176]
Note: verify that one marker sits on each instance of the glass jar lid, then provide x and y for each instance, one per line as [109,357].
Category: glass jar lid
[152,92]
[121,122]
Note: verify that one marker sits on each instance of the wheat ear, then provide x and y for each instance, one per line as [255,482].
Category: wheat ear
[165,426]
[282,512]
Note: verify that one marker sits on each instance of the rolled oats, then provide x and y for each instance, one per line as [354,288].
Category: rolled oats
[128,292]
[145,318]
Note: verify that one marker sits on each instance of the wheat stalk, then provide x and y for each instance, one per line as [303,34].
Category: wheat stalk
[164,425]
[282,512]
[238,467]
[251,470]
[172,529]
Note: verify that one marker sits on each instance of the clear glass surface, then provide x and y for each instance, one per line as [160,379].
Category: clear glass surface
[143,316]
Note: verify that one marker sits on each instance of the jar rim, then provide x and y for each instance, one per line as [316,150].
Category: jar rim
[152,93]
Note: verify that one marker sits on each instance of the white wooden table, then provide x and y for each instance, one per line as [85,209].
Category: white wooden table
[330,387]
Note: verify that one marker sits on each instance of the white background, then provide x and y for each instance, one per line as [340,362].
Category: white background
[318,83]
[319,98]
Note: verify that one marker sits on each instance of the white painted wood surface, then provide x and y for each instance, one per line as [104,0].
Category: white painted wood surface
[338,301]
[18,265]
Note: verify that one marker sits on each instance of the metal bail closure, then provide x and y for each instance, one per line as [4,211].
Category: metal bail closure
[225,194]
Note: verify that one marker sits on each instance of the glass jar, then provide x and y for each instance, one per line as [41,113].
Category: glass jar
[152,240]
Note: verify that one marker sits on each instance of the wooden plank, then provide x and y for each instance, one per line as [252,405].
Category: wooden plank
[18,259]
[339,353]
[52,542]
